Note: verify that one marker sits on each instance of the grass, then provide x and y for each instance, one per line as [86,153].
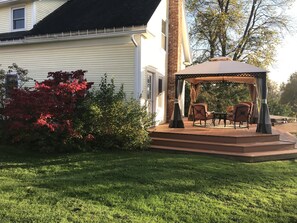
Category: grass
[144,187]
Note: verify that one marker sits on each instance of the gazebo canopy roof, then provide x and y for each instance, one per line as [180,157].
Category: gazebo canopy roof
[221,69]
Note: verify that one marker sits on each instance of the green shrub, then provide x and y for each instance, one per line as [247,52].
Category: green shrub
[111,121]
[276,108]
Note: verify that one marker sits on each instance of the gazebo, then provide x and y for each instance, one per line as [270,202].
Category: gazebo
[224,69]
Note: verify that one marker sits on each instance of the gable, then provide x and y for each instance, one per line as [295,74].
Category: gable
[76,15]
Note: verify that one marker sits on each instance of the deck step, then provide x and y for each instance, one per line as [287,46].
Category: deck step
[215,138]
[242,143]
[247,157]
[227,147]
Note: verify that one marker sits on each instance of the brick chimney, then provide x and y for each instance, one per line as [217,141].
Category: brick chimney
[174,50]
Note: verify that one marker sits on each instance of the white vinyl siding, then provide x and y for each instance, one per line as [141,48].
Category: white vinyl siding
[5,19]
[114,56]
[45,7]
[28,16]
[153,59]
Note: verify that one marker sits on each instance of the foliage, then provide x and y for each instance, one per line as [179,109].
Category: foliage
[144,187]
[273,90]
[276,108]
[112,121]
[244,30]
[60,114]
[289,93]
[22,78]
[274,96]
[221,95]
[43,117]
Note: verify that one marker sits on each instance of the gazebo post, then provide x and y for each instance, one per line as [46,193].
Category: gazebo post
[264,122]
[176,118]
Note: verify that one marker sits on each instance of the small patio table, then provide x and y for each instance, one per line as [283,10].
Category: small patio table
[219,115]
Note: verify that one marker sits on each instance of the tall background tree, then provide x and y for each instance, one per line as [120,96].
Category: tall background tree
[244,30]
[289,93]
[276,107]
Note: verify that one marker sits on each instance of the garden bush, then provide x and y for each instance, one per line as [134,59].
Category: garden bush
[111,121]
[21,77]
[60,114]
[42,117]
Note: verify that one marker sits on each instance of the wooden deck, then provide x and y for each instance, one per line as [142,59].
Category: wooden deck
[241,143]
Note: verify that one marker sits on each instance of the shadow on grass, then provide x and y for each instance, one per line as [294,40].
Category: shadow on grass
[121,178]
[147,167]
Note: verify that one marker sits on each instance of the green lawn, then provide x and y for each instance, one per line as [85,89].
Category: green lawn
[144,187]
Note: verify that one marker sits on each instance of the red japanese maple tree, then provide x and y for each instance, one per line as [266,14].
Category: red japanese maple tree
[50,106]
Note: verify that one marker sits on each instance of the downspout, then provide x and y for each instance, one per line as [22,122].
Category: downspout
[134,41]
[137,68]
[166,62]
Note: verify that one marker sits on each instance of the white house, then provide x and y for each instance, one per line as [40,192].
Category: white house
[127,39]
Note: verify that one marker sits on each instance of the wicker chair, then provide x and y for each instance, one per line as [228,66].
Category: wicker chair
[251,109]
[241,114]
[200,113]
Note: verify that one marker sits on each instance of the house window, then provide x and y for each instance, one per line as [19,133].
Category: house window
[164,36]
[149,90]
[18,18]
[11,82]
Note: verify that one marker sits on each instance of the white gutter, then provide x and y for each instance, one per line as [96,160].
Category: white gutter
[79,35]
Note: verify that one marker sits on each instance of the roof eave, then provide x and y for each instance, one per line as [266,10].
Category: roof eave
[79,35]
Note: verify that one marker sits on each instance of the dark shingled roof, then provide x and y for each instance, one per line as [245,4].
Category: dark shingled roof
[13,35]
[79,15]
[96,14]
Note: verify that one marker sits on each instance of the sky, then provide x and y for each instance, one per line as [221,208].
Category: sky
[286,59]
